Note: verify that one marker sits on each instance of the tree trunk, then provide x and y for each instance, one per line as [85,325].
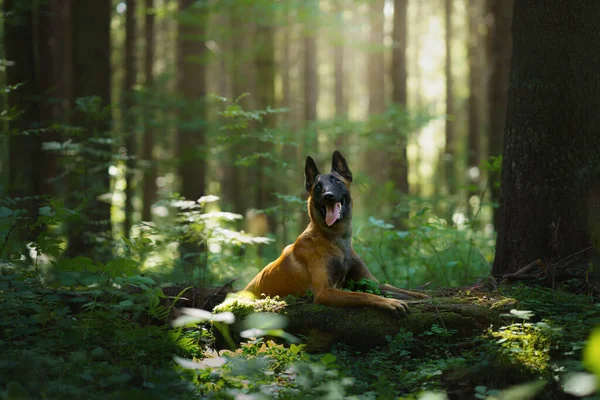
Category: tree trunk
[265,68]
[340,102]
[449,150]
[499,55]
[191,141]
[150,175]
[474,133]
[311,95]
[551,168]
[376,59]
[91,77]
[27,46]
[236,196]
[399,159]
[128,118]
[376,158]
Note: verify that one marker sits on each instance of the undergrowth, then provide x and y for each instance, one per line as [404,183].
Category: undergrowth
[113,340]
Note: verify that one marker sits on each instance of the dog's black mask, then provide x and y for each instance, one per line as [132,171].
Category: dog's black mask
[329,192]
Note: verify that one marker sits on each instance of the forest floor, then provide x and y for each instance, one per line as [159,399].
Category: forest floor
[100,343]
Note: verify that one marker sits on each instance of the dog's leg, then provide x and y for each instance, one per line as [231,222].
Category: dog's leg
[360,271]
[330,296]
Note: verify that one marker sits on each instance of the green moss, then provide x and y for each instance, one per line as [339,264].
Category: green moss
[504,304]
[528,344]
[241,306]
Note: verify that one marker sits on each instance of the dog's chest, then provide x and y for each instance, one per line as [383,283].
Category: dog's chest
[339,266]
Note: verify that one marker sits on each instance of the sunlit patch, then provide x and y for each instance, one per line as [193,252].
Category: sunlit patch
[473,173]
[160,211]
[459,219]
[214,248]
[121,7]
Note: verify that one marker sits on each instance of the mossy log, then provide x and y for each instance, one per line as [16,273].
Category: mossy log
[365,328]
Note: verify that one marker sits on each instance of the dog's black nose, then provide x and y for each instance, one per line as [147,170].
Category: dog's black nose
[328,196]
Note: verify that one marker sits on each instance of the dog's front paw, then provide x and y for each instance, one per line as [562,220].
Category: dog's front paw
[417,295]
[396,306]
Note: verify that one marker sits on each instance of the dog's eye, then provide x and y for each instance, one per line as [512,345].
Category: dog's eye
[318,186]
[336,181]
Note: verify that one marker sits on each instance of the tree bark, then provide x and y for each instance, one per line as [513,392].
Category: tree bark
[310,93]
[90,56]
[376,59]
[551,161]
[150,173]
[499,55]
[399,159]
[24,150]
[398,169]
[243,75]
[340,102]
[449,150]
[128,118]
[191,140]
[265,68]
[376,157]
[29,45]
[474,111]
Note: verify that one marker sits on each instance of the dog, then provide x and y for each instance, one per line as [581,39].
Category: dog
[322,257]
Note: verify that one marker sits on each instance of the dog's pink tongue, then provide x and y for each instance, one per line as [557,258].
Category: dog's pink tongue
[333,213]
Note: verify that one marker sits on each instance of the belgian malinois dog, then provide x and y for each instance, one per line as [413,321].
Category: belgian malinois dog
[322,258]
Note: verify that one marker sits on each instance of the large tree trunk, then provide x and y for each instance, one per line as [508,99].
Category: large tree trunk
[129,120]
[399,159]
[474,111]
[91,77]
[499,54]
[191,140]
[551,167]
[149,188]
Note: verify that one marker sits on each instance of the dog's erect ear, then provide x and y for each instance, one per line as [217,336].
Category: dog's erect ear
[310,173]
[339,165]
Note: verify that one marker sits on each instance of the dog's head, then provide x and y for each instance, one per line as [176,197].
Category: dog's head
[330,201]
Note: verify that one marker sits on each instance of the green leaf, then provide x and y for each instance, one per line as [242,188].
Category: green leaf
[126,304]
[328,359]
[5,212]
[402,234]
[121,267]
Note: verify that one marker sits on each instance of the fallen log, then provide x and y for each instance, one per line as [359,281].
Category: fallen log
[364,328]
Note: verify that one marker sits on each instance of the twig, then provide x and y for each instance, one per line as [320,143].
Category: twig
[522,273]
[7,237]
